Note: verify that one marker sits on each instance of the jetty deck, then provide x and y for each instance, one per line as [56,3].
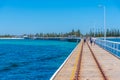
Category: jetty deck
[89,62]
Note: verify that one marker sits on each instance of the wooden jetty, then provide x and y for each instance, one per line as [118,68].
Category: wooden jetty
[89,62]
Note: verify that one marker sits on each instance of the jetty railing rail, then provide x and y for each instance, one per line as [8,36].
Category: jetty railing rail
[111,46]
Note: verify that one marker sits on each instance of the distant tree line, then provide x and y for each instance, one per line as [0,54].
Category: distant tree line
[76,33]
[6,36]
[109,33]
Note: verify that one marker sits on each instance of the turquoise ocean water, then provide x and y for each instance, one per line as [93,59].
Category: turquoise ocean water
[32,59]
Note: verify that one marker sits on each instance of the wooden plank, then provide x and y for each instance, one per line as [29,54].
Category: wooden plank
[110,64]
[89,69]
[67,72]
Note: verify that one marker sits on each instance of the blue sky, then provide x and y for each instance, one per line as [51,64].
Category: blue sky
[35,16]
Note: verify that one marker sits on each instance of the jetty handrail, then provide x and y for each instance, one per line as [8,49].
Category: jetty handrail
[109,41]
[106,44]
[54,75]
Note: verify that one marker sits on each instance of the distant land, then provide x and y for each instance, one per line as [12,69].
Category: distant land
[72,36]
[74,33]
[63,36]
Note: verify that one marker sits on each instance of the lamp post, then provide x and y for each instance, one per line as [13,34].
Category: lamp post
[104,20]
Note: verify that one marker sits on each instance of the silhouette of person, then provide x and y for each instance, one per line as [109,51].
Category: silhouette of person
[91,41]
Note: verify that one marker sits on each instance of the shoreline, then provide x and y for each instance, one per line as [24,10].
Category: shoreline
[47,38]
[11,38]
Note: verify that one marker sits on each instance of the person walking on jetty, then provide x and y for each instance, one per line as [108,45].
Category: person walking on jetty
[91,41]
[84,40]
